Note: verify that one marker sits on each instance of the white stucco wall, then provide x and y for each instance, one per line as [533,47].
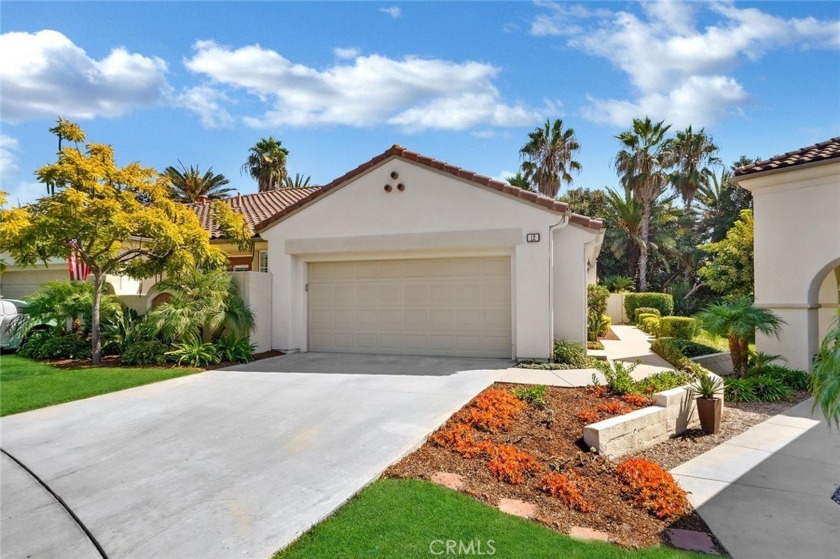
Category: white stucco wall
[437,215]
[797,245]
[255,289]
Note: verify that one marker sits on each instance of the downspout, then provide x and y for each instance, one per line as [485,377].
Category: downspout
[564,221]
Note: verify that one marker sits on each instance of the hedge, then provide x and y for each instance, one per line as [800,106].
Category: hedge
[663,302]
[678,327]
[650,324]
[645,310]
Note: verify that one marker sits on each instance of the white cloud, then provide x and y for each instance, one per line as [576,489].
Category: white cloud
[44,74]
[346,53]
[680,71]
[414,93]
[393,11]
[207,103]
[8,157]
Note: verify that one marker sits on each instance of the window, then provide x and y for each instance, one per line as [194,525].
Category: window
[241,268]
[263,261]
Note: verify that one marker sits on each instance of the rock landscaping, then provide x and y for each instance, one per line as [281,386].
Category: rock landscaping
[527,450]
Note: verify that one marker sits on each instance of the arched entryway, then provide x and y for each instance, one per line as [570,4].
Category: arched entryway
[824,294]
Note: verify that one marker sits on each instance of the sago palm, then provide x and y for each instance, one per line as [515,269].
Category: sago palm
[641,165]
[738,321]
[266,164]
[189,184]
[549,157]
[694,153]
[203,305]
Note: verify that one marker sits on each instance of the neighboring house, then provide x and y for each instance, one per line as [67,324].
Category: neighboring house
[797,245]
[407,255]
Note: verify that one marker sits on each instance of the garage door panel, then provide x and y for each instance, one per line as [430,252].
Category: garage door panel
[442,306]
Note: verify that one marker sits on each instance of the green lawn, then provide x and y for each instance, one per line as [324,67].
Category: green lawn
[28,385]
[402,518]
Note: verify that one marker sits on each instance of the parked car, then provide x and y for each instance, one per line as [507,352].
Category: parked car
[12,318]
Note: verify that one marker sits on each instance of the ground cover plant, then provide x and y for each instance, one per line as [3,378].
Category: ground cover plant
[27,385]
[536,454]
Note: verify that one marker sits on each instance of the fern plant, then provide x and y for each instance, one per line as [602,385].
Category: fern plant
[194,353]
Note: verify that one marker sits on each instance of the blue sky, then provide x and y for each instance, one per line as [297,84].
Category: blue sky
[463,82]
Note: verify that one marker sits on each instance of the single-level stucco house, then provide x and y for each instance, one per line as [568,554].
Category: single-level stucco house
[797,245]
[409,255]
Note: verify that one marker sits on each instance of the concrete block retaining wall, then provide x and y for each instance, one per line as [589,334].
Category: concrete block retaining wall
[718,363]
[672,412]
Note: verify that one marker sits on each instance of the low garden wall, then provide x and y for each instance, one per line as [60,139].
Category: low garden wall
[615,308]
[672,412]
[718,363]
[255,289]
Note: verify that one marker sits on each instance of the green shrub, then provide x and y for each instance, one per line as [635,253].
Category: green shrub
[678,327]
[692,349]
[237,349]
[792,378]
[645,310]
[661,301]
[70,346]
[644,316]
[145,352]
[33,342]
[739,390]
[571,353]
[534,395]
[650,324]
[769,389]
[619,378]
[670,352]
[195,353]
[663,380]
[597,296]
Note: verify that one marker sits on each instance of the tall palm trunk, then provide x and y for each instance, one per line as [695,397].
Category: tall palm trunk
[644,233]
[738,352]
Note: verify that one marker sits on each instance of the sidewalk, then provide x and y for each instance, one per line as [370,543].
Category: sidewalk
[767,492]
[633,346]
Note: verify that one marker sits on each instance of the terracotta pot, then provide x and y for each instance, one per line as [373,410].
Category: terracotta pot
[709,410]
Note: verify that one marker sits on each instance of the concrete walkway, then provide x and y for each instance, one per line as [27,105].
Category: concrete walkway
[634,345]
[767,492]
[221,464]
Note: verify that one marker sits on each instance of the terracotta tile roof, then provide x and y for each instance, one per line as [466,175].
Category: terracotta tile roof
[549,204]
[255,207]
[818,152]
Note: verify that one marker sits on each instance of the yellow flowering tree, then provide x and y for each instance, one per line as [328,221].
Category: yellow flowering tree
[120,220]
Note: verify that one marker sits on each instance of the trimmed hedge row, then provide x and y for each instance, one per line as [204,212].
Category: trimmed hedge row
[663,302]
[678,327]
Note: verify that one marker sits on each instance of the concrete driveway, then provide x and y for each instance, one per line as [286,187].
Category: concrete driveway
[234,462]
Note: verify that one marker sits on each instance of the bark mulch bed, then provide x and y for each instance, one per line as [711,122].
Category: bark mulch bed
[610,335]
[554,437]
[737,417]
[114,361]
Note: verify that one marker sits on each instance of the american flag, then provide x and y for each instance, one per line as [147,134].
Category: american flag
[79,271]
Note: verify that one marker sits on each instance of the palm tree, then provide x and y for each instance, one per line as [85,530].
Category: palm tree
[825,376]
[641,166]
[549,157]
[267,164]
[188,185]
[518,180]
[203,305]
[624,216]
[738,321]
[693,154]
[300,181]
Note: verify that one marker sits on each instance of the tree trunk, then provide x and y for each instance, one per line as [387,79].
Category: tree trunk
[738,368]
[96,342]
[644,233]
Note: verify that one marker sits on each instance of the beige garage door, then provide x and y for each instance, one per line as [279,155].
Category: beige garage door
[441,306]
